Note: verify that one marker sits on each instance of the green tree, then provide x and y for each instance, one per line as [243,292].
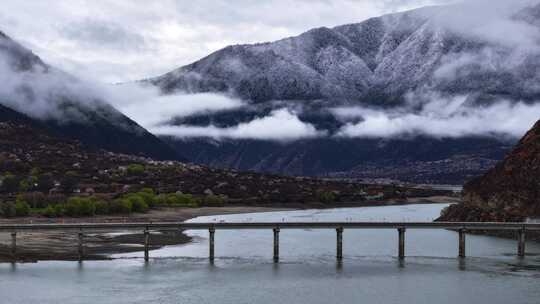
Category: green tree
[139,205]
[327,197]
[50,211]
[35,199]
[88,207]
[135,169]
[24,185]
[69,182]
[178,200]
[120,206]
[7,209]
[214,200]
[80,206]
[148,190]
[35,172]
[22,208]
[60,209]
[45,182]
[148,197]
[102,207]
[10,183]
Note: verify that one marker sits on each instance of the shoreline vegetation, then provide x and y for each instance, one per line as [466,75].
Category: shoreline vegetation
[36,246]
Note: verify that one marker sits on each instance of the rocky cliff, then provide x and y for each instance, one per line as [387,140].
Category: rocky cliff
[508,192]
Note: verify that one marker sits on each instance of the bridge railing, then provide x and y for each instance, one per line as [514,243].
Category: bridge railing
[461,227]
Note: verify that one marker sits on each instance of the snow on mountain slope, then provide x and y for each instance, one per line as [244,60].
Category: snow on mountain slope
[374,62]
[461,79]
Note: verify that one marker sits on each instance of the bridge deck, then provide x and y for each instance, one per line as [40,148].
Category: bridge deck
[461,227]
[270,225]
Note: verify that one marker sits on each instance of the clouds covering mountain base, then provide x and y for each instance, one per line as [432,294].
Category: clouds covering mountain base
[437,117]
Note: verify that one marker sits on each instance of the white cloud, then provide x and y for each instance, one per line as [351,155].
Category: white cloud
[441,118]
[280,125]
[147,106]
[44,93]
[490,20]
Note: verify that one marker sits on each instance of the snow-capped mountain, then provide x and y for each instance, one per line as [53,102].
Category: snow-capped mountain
[374,62]
[403,61]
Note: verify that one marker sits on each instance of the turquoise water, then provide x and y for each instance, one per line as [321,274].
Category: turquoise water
[243,271]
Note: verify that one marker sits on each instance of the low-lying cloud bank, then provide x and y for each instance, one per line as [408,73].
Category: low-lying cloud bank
[434,116]
[149,107]
[441,119]
[44,93]
[280,125]
[155,111]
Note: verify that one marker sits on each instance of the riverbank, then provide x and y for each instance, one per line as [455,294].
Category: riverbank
[35,246]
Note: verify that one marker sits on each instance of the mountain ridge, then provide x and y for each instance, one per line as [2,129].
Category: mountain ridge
[52,99]
[361,61]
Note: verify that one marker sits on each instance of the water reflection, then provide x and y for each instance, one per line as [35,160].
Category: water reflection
[462,262]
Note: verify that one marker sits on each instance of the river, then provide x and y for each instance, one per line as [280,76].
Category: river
[243,271]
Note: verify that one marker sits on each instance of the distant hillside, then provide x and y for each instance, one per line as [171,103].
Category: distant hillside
[418,160]
[35,163]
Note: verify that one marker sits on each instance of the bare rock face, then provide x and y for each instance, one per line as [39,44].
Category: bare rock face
[510,191]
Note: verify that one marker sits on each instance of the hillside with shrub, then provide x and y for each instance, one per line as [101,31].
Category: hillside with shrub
[44,175]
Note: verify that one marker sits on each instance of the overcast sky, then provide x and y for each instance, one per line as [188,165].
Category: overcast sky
[121,40]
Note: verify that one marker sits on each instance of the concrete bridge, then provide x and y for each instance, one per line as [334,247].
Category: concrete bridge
[146,228]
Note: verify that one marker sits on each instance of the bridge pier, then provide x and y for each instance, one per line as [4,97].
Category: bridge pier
[81,246]
[339,245]
[146,245]
[14,246]
[401,245]
[77,232]
[521,243]
[461,251]
[276,244]
[212,232]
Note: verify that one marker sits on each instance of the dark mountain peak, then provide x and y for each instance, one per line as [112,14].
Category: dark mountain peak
[18,57]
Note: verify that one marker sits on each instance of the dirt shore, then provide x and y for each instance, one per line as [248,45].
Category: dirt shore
[35,246]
